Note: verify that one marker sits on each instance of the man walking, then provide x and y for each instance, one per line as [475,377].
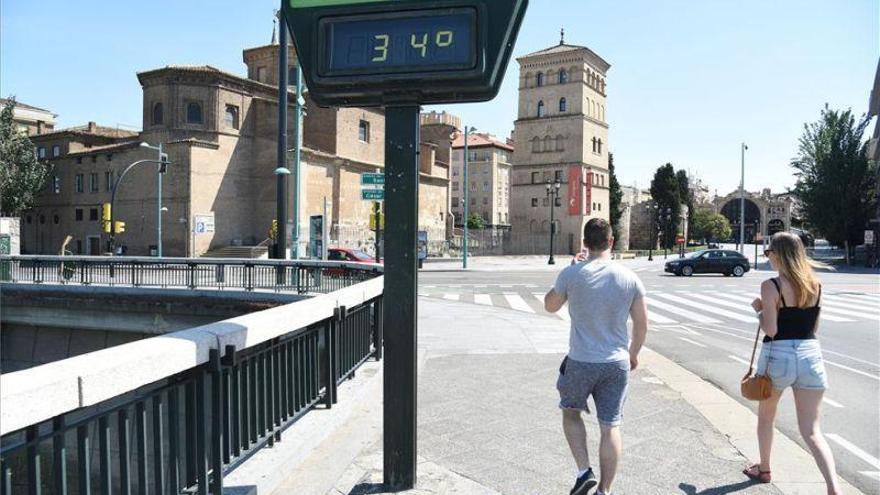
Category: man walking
[601,295]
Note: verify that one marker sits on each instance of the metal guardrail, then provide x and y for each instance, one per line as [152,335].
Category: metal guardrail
[192,428]
[299,276]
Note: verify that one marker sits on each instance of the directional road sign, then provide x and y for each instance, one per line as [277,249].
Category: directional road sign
[372,194]
[372,179]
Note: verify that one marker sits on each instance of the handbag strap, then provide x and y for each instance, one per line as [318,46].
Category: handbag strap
[754,350]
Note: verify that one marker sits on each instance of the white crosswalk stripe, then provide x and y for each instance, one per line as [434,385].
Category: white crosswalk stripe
[680,312]
[483,299]
[451,297]
[747,300]
[515,301]
[711,309]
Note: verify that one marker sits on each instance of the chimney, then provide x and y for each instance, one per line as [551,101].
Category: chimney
[93,127]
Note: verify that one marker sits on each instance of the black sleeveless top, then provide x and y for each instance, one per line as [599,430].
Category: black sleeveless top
[793,322]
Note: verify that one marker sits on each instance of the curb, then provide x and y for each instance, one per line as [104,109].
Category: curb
[737,422]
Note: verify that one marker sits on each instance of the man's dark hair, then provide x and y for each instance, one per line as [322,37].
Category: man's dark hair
[597,233]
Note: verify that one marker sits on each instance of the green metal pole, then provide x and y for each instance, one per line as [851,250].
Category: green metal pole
[297,156]
[464,258]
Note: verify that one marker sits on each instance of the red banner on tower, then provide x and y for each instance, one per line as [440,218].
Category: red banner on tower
[589,193]
[575,186]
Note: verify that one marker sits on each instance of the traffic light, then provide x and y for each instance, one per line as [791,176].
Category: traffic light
[118,227]
[106,212]
[163,164]
[107,226]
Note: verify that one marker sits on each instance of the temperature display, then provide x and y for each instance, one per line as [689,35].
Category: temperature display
[414,41]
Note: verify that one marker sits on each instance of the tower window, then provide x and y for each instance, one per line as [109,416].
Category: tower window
[158,114]
[539,79]
[563,76]
[193,113]
[232,116]
[364,131]
[563,105]
[541,108]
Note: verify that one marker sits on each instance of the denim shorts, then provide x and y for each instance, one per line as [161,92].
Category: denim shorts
[793,363]
[606,382]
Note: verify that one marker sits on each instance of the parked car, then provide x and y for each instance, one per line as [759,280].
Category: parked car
[346,254]
[721,261]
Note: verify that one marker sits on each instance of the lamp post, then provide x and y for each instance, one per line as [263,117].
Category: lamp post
[552,194]
[162,163]
[757,232]
[667,215]
[464,257]
[281,237]
[742,199]
[159,209]
[653,218]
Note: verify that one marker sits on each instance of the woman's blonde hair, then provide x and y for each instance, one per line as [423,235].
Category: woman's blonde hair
[794,265]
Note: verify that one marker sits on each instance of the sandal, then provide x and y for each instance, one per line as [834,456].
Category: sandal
[754,473]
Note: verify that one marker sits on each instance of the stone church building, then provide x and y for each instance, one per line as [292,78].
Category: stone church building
[561,136]
[220,132]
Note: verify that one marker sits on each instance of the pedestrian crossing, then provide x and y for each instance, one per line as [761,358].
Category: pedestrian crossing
[676,307]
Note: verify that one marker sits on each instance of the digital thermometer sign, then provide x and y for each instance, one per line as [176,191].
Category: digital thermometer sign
[384,52]
[418,40]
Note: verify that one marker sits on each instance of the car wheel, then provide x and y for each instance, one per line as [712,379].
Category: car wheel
[738,271]
[687,271]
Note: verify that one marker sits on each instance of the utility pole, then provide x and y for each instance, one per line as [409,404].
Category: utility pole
[377,212]
[297,155]
[552,193]
[742,199]
[464,256]
[281,172]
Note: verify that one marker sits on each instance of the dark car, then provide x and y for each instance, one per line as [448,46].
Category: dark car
[721,261]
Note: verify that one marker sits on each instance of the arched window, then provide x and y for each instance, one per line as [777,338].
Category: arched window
[560,142]
[600,146]
[563,76]
[193,113]
[541,108]
[539,79]
[563,105]
[548,144]
[158,114]
[536,145]
[602,112]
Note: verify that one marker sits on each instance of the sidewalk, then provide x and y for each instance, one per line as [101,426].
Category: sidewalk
[489,422]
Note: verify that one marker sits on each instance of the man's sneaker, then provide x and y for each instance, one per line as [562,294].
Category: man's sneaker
[584,483]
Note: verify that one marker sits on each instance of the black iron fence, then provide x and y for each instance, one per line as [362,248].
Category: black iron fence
[182,434]
[299,276]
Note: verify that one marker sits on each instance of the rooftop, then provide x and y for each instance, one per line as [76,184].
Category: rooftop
[90,129]
[476,140]
[5,101]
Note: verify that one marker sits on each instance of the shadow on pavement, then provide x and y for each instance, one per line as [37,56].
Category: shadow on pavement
[718,490]
[367,488]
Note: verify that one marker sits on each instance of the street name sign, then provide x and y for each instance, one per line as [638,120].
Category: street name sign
[371,52]
[372,194]
[372,179]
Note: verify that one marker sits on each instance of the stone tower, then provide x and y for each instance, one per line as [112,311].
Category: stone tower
[561,136]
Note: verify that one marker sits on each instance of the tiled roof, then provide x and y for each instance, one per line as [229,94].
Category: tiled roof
[557,49]
[91,130]
[477,140]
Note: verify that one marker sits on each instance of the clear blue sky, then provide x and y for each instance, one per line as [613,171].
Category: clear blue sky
[689,79]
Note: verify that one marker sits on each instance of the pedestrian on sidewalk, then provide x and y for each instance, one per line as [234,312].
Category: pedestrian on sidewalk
[788,310]
[601,294]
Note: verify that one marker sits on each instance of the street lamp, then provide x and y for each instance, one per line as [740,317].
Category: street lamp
[552,194]
[281,252]
[742,199]
[467,131]
[159,208]
[162,165]
[668,217]
[757,232]
[652,215]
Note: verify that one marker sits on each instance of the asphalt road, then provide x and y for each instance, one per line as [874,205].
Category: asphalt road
[705,324]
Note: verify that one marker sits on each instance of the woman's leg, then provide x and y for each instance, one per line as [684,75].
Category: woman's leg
[807,403]
[766,419]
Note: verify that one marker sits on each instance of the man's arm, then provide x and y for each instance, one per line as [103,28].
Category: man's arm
[553,301]
[639,314]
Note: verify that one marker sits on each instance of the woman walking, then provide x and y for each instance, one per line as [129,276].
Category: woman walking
[790,355]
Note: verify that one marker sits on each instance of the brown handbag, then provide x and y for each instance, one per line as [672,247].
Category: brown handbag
[756,387]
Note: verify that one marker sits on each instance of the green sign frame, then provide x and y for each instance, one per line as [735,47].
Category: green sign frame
[373,194]
[372,179]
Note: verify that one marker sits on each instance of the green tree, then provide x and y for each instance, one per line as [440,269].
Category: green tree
[684,192]
[22,176]
[665,192]
[615,196]
[475,221]
[708,225]
[834,180]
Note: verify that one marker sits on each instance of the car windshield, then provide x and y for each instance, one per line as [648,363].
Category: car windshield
[695,254]
[361,255]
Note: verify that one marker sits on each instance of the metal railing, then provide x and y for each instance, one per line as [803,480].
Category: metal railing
[299,276]
[183,433]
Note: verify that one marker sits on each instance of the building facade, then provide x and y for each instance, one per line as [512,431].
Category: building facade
[561,137]
[220,132]
[766,213]
[488,180]
[29,119]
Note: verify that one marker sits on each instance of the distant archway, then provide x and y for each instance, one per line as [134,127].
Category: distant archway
[774,226]
[752,215]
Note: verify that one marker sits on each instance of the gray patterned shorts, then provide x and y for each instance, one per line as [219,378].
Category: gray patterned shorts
[606,382]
